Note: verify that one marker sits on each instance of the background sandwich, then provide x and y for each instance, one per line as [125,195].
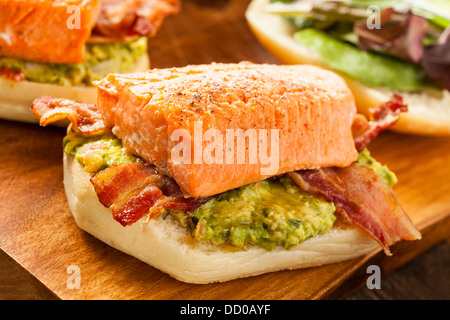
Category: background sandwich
[379,47]
[327,200]
[81,43]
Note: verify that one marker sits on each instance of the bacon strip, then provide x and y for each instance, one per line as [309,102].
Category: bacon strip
[382,117]
[133,190]
[84,117]
[362,197]
[12,74]
[121,18]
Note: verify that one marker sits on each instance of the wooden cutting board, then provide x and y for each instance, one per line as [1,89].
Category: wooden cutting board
[39,233]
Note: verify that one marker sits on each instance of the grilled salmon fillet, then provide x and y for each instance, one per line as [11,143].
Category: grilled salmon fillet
[47,30]
[310,109]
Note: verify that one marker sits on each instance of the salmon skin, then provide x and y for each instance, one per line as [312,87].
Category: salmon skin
[49,31]
[310,109]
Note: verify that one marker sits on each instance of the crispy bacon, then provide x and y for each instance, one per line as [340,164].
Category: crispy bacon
[84,117]
[361,197]
[186,204]
[121,18]
[12,74]
[382,117]
[133,190]
[128,189]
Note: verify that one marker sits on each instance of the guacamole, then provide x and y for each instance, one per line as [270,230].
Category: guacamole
[270,213]
[388,176]
[101,59]
[97,152]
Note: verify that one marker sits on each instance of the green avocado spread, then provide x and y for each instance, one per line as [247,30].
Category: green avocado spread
[273,212]
[366,159]
[100,60]
[97,152]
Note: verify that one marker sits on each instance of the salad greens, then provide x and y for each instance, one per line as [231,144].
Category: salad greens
[390,57]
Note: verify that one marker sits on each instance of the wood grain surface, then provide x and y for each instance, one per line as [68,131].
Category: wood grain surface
[40,239]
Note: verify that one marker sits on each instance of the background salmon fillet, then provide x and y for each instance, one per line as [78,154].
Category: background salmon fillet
[313,110]
[38,30]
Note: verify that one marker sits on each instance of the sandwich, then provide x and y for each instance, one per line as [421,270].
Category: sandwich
[223,171]
[380,48]
[64,55]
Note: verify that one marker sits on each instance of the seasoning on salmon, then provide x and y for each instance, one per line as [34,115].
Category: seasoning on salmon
[53,31]
[312,110]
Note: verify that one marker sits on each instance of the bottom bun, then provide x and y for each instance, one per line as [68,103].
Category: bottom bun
[428,112]
[169,248]
[16,97]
